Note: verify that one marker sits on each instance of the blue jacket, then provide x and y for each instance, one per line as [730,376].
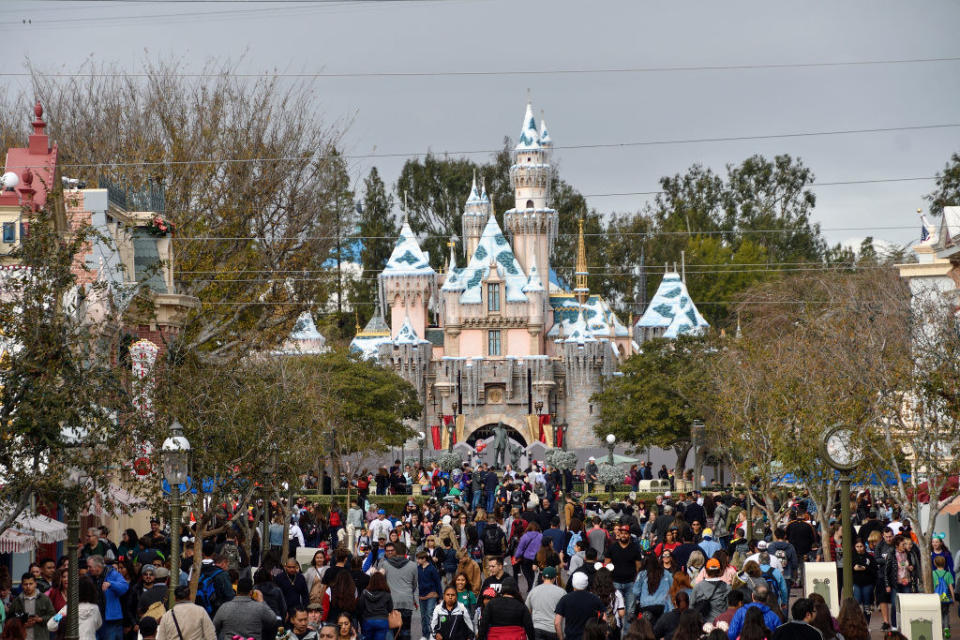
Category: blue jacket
[661,596]
[781,583]
[112,609]
[428,579]
[771,619]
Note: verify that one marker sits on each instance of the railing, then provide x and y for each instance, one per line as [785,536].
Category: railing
[149,197]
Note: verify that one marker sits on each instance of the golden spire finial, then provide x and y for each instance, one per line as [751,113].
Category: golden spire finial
[581,274]
[356,315]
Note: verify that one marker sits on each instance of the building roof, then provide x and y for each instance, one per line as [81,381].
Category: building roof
[529,136]
[578,331]
[533,282]
[304,339]
[407,334]
[492,246]
[598,315]
[367,342]
[35,165]
[672,309]
[407,257]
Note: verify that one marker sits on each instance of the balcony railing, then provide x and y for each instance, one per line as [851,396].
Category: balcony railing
[149,197]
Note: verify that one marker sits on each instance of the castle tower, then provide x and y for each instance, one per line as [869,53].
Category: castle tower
[474,219]
[531,224]
[407,284]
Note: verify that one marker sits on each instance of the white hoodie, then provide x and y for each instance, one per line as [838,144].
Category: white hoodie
[90,620]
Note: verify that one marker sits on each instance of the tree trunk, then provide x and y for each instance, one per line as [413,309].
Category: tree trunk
[682,450]
[824,535]
[285,543]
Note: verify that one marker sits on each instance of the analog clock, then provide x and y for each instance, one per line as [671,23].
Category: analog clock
[841,451]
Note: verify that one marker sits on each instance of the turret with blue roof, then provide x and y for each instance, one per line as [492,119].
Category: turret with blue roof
[671,313]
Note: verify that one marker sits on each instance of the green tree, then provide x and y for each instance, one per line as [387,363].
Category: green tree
[947,192]
[719,271]
[661,391]
[377,229]
[58,385]
[250,175]
[770,202]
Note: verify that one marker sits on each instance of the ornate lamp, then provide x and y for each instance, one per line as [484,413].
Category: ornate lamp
[176,467]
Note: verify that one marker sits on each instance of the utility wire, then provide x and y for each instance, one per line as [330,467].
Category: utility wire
[599,145]
[499,72]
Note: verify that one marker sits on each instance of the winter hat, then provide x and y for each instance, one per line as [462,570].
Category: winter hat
[580,581]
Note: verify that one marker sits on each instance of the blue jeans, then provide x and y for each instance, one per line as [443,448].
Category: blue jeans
[863,594]
[111,630]
[426,615]
[375,629]
[476,500]
[490,499]
[626,590]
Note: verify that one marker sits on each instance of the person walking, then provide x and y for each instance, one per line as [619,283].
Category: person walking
[33,609]
[526,552]
[542,601]
[451,620]
[428,579]
[373,608]
[626,557]
[113,586]
[90,619]
[186,620]
[575,609]
[401,577]
[244,616]
[293,586]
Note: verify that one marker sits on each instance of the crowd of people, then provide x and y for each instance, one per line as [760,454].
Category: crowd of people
[492,556]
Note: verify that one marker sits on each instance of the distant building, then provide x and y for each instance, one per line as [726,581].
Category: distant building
[510,345]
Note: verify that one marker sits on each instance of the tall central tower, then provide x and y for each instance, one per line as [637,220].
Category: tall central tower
[531,224]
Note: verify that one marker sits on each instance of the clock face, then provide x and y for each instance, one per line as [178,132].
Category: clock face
[840,449]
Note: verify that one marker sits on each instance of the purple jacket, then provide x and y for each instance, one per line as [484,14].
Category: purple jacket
[529,545]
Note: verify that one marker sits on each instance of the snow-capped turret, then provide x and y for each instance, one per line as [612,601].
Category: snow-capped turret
[671,313]
[474,218]
[545,140]
[529,136]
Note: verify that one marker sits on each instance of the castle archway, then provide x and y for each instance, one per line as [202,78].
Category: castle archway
[486,431]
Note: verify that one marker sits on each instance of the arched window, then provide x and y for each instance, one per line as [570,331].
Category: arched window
[529,204]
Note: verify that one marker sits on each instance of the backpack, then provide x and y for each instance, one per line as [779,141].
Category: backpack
[155,610]
[207,590]
[772,582]
[334,518]
[575,537]
[578,512]
[232,553]
[941,588]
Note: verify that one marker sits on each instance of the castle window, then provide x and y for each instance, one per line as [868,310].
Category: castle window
[493,297]
[529,204]
[9,232]
[493,342]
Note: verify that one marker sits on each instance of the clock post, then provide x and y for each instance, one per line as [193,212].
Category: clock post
[844,456]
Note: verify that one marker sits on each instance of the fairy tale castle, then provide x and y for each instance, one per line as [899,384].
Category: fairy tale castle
[510,344]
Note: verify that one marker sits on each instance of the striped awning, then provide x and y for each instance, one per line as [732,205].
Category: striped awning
[13,541]
[45,530]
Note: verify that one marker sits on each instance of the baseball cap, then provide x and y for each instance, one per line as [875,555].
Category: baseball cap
[489,592]
[149,568]
[708,533]
[549,572]
[161,572]
[591,459]
[762,544]
[713,563]
[580,581]
[667,494]
[381,512]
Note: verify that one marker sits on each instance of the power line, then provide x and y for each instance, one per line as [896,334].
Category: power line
[645,234]
[599,145]
[499,72]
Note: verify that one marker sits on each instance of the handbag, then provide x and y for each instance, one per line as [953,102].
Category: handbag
[394,619]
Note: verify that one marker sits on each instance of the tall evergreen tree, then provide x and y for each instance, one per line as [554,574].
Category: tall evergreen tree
[377,231]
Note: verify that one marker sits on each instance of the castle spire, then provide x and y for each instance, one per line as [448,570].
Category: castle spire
[582,292]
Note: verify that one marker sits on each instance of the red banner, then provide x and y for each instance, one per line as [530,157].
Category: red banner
[544,419]
[436,436]
[558,436]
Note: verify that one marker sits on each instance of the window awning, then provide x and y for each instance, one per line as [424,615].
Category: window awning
[45,530]
[13,541]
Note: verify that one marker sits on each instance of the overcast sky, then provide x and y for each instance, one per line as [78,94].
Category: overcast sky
[414,114]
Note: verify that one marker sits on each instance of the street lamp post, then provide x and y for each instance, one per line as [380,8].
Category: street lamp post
[74,482]
[450,426]
[696,435]
[421,436]
[563,435]
[845,456]
[611,442]
[176,462]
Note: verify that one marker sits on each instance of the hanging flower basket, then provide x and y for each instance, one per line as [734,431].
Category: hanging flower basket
[160,227]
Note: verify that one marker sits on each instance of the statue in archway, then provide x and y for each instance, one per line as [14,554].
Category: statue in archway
[499,446]
[515,452]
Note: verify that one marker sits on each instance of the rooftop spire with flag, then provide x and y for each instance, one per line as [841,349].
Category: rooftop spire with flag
[582,292]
